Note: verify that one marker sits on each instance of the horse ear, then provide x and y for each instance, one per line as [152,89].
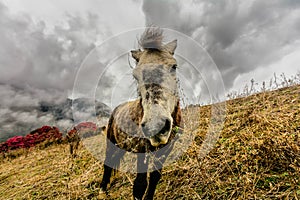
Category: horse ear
[136,54]
[171,46]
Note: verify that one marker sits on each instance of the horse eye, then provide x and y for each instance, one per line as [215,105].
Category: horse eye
[174,67]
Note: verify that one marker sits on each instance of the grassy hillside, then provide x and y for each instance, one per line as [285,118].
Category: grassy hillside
[256,157]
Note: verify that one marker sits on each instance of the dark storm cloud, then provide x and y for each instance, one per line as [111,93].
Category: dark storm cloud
[37,69]
[239,35]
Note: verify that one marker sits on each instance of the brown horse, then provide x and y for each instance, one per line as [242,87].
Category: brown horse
[146,124]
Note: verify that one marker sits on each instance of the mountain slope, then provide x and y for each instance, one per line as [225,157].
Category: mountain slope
[256,157]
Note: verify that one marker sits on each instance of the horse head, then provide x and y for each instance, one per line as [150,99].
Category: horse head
[155,74]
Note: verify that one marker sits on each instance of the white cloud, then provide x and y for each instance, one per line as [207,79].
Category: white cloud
[288,65]
[115,16]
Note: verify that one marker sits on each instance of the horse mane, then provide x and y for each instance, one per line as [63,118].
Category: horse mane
[152,38]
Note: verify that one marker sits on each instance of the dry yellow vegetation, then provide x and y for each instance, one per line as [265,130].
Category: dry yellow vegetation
[256,157]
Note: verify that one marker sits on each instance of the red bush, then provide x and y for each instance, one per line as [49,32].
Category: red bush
[88,125]
[15,142]
[46,133]
[45,129]
[72,132]
[83,129]
[30,140]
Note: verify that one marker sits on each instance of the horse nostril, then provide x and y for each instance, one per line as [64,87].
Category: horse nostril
[145,129]
[166,127]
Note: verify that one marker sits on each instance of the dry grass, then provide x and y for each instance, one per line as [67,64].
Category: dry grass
[256,157]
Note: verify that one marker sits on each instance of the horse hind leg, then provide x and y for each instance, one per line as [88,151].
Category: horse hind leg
[112,161]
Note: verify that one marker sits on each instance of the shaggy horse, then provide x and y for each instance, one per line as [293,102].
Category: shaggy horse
[148,123]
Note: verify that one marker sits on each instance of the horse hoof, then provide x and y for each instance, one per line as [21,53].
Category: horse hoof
[102,194]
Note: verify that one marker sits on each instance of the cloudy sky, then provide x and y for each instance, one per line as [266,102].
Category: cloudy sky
[43,43]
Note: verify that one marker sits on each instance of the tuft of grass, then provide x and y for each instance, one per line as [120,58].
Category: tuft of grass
[256,157]
[276,82]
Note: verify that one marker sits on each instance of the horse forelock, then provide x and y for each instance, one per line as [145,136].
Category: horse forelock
[152,39]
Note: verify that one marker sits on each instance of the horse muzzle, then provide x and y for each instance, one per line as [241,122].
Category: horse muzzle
[159,139]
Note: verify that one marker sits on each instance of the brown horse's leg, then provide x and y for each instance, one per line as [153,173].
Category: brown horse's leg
[112,161]
[160,158]
[140,182]
[106,177]
[154,178]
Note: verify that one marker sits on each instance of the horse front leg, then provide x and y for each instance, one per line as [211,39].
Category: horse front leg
[140,183]
[106,178]
[155,176]
[159,160]
[112,161]
[154,179]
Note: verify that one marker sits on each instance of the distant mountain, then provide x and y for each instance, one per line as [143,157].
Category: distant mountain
[84,105]
[22,120]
